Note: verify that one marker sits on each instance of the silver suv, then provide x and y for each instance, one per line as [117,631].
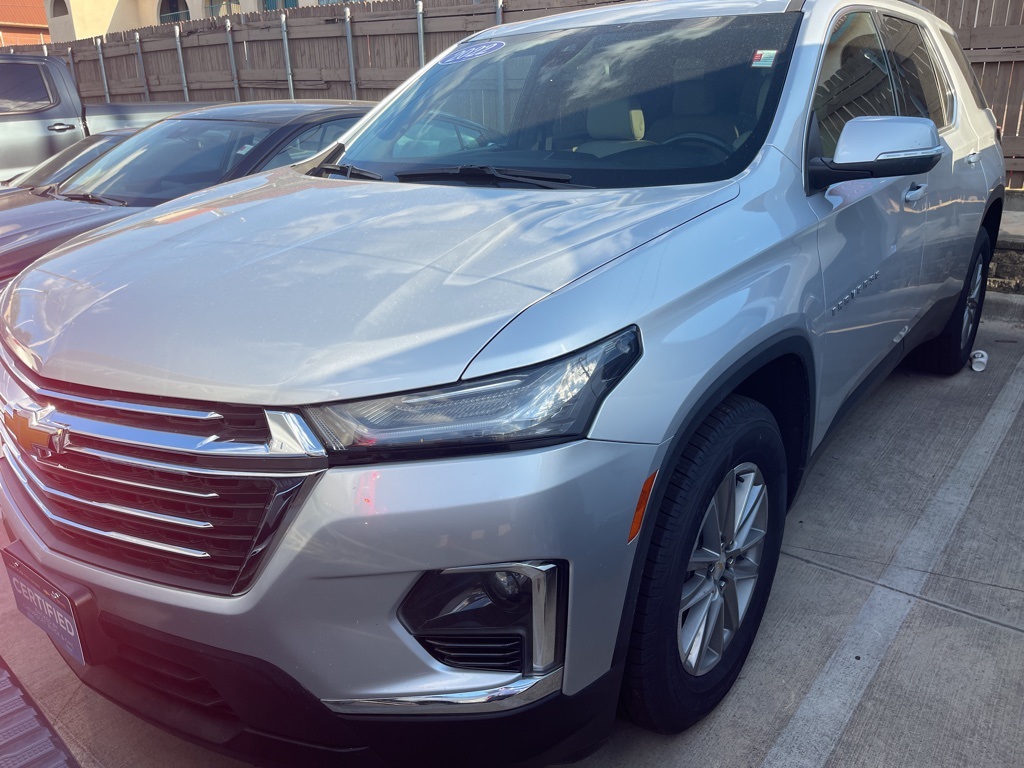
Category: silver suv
[442,444]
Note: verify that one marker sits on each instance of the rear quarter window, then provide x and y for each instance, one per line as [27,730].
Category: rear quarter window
[957,52]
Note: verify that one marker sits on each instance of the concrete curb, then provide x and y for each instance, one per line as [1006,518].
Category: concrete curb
[1004,307]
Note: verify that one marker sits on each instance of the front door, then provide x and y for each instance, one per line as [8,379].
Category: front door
[34,121]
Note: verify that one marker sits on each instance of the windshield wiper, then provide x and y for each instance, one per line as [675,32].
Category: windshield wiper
[89,197]
[348,171]
[488,172]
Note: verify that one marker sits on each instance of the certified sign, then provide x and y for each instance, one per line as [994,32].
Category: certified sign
[46,606]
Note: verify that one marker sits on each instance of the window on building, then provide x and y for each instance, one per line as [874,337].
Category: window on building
[173,11]
[60,8]
[222,8]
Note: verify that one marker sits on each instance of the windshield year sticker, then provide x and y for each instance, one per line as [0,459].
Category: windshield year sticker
[764,59]
[472,52]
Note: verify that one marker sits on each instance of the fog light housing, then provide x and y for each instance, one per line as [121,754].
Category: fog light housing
[498,617]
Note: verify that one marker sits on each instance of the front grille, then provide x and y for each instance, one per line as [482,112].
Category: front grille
[186,494]
[500,653]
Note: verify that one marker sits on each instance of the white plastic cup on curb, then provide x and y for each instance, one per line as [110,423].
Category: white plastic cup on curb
[979,360]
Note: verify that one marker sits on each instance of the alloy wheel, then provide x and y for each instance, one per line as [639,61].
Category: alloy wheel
[723,568]
[972,306]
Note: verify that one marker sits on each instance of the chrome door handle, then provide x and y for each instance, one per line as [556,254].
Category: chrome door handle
[60,127]
[973,159]
[915,193]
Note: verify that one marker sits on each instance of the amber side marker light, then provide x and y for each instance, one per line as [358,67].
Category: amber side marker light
[641,507]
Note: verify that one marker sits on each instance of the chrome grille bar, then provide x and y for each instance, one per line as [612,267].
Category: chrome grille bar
[113,535]
[92,476]
[185,497]
[161,466]
[116,509]
[143,409]
[175,442]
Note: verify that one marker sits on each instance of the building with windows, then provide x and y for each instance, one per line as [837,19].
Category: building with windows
[78,19]
[23,22]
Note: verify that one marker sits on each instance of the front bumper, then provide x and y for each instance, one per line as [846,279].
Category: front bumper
[318,627]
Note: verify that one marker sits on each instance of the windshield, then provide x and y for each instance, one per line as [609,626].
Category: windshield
[167,160]
[68,161]
[655,102]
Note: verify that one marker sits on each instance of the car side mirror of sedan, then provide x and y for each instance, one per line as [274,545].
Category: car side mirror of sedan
[877,147]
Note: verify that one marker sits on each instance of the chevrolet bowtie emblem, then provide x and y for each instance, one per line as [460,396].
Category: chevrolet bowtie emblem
[28,426]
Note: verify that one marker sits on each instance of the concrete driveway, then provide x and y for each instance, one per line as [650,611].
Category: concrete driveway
[895,631]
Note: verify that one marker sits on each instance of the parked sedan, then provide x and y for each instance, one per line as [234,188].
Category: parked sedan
[67,162]
[174,157]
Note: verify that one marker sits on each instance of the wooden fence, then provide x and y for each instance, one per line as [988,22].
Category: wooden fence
[382,40]
[385,50]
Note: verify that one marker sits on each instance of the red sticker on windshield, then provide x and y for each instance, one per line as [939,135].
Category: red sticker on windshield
[764,59]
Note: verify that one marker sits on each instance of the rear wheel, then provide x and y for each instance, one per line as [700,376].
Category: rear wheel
[950,350]
[709,569]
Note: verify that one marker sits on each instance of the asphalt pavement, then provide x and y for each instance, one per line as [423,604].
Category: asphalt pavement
[895,631]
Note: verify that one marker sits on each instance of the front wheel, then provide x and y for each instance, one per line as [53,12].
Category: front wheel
[709,569]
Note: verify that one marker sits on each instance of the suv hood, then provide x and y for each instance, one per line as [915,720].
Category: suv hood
[284,290]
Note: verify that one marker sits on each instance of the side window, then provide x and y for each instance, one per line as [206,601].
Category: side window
[921,86]
[965,67]
[309,142]
[854,79]
[23,88]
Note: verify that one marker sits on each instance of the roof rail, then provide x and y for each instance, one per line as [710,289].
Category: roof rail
[798,5]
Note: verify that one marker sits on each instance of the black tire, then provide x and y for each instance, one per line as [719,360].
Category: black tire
[661,691]
[949,352]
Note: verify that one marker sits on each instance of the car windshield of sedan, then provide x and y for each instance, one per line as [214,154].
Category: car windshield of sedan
[676,101]
[68,161]
[167,160]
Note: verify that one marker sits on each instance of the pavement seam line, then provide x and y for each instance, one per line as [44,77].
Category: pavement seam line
[916,596]
[839,555]
[812,733]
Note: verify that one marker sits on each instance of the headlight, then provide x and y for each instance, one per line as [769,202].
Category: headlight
[548,403]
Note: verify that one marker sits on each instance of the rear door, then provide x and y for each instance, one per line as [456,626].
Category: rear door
[957,187]
[872,230]
[35,121]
